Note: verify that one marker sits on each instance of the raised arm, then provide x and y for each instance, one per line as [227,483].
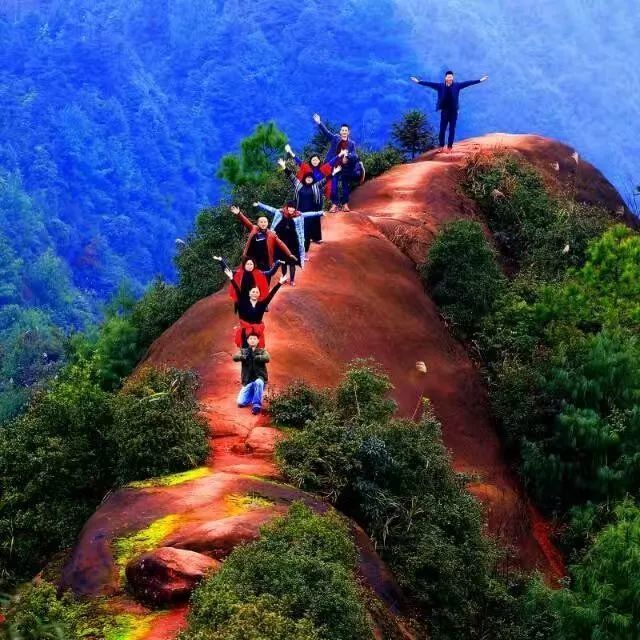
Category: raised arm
[273,292]
[243,219]
[293,155]
[328,134]
[276,265]
[240,356]
[294,179]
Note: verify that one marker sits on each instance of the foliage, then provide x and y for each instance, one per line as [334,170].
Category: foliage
[156,428]
[296,581]
[53,464]
[463,275]
[544,235]
[394,476]
[296,404]
[258,155]
[376,162]
[413,134]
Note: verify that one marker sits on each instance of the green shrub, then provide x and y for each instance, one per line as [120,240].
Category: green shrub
[296,404]
[216,232]
[463,275]
[52,469]
[544,235]
[376,162]
[395,478]
[298,579]
[75,442]
[37,613]
[156,427]
[158,308]
[414,133]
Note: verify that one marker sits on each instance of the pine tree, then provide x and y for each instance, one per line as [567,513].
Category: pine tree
[413,134]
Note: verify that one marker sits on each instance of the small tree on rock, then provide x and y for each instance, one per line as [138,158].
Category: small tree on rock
[413,134]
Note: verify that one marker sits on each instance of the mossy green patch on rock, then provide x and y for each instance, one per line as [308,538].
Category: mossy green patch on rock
[128,626]
[237,503]
[128,547]
[172,480]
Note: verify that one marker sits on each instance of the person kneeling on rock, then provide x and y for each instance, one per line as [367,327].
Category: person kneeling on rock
[253,375]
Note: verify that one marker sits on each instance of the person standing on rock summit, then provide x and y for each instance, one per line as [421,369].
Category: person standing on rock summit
[253,374]
[448,102]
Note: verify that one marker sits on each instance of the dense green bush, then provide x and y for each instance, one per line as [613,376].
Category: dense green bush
[376,162]
[463,275]
[395,478]
[414,133]
[76,442]
[297,581]
[156,427]
[542,234]
[296,404]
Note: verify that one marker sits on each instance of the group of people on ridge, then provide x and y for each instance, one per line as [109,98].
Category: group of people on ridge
[295,226]
[284,244]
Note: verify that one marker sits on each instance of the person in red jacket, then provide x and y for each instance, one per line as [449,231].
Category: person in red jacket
[262,242]
[316,167]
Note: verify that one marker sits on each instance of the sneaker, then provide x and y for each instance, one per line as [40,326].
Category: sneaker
[318,241]
[291,283]
[256,409]
[345,207]
[334,208]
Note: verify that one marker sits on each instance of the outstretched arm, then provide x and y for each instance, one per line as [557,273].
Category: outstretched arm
[293,155]
[312,214]
[273,291]
[266,207]
[223,263]
[274,268]
[243,219]
[470,83]
[426,83]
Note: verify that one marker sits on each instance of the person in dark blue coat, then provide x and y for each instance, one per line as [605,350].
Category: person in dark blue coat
[343,149]
[448,102]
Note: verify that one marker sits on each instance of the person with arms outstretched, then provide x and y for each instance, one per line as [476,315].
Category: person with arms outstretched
[288,223]
[448,103]
[251,309]
[262,243]
[316,166]
[308,194]
[343,148]
[247,277]
[253,374]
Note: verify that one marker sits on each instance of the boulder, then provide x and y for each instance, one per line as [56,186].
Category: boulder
[167,576]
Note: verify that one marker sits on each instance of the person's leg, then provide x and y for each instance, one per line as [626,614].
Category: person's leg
[284,267]
[257,394]
[345,188]
[292,271]
[453,119]
[443,127]
[245,395]
[335,197]
[308,233]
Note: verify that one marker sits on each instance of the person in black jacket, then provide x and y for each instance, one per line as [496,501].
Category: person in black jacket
[448,102]
[253,374]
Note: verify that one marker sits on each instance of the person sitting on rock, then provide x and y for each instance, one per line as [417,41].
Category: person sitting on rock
[247,277]
[342,147]
[253,373]
[262,243]
[308,194]
[448,102]
[251,310]
[288,223]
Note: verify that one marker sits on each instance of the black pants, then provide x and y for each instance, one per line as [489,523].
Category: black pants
[449,118]
[292,271]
